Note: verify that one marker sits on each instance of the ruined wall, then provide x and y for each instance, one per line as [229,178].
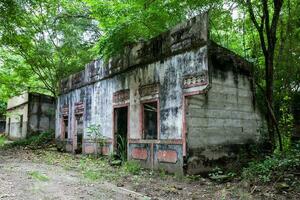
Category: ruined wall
[157,69]
[176,69]
[17,116]
[41,113]
[222,121]
[16,122]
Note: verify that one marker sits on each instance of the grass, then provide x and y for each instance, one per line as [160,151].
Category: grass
[38,176]
[2,140]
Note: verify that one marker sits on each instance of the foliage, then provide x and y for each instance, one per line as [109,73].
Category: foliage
[47,39]
[125,22]
[35,141]
[122,146]
[94,132]
[2,140]
[132,167]
[286,123]
[219,175]
[38,176]
[274,166]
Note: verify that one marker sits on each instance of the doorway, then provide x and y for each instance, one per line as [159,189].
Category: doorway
[79,132]
[121,131]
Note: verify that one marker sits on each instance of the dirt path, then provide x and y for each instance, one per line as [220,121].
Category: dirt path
[48,174]
[23,179]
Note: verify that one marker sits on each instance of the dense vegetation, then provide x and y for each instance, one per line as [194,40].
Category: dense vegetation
[42,41]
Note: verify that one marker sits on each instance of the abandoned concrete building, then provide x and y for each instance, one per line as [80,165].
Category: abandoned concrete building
[29,113]
[179,101]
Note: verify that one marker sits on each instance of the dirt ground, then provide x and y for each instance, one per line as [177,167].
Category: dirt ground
[17,181]
[27,174]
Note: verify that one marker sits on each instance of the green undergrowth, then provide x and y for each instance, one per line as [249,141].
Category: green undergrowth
[274,167]
[37,141]
[38,176]
[90,167]
[2,140]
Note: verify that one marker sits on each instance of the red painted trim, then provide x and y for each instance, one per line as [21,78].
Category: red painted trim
[62,128]
[74,133]
[184,109]
[156,99]
[114,143]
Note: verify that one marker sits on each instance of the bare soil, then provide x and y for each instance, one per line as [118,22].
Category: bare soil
[47,174]
[16,181]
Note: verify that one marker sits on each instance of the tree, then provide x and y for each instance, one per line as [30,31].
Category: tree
[53,38]
[266,27]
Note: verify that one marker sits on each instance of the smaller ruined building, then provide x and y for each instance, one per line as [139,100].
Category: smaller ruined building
[29,113]
[178,102]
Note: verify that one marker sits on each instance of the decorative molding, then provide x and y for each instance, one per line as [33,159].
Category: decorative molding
[195,80]
[121,96]
[79,108]
[149,90]
[65,110]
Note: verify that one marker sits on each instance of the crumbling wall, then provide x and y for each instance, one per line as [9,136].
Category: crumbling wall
[221,121]
[17,116]
[171,69]
[16,122]
[41,113]
[155,69]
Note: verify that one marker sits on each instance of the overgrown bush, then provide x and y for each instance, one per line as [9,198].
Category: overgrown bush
[132,167]
[35,141]
[286,123]
[2,140]
[273,167]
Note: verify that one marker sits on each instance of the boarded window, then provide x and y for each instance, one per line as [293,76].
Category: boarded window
[150,115]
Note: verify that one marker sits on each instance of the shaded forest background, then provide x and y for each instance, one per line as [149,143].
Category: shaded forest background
[43,41]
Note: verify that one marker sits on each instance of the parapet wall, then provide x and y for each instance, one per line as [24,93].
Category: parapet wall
[183,37]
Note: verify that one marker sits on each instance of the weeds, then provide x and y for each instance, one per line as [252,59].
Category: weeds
[35,141]
[132,167]
[38,176]
[273,166]
[2,140]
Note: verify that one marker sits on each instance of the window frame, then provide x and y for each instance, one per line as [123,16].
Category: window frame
[142,128]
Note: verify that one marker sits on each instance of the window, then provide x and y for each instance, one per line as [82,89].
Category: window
[66,125]
[150,120]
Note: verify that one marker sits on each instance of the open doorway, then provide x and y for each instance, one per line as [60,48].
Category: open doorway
[79,132]
[121,131]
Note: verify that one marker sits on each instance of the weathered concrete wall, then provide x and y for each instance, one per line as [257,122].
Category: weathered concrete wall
[14,128]
[17,100]
[36,111]
[156,69]
[41,113]
[169,69]
[221,121]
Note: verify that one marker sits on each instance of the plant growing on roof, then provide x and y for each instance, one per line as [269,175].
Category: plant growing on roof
[94,132]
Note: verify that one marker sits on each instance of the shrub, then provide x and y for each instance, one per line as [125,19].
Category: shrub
[35,141]
[132,167]
[273,166]
[2,140]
